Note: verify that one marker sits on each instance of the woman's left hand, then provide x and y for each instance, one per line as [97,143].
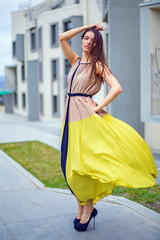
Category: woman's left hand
[92,104]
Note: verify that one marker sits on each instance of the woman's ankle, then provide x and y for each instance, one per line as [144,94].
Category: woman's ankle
[80,212]
[88,209]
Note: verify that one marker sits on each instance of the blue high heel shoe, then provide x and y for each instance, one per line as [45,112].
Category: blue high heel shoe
[83,226]
[76,220]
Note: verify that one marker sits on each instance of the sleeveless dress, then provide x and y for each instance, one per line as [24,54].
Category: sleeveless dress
[98,151]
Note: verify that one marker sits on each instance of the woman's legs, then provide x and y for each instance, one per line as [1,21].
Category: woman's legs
[80,209]
[84,211]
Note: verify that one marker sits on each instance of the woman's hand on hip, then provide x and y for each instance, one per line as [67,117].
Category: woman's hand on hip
[91,103]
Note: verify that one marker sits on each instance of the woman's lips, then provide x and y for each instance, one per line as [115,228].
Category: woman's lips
[86,46]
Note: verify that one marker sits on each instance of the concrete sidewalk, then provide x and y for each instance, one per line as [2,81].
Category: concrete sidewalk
[29,211]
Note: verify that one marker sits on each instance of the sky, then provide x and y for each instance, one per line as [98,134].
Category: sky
[6,7]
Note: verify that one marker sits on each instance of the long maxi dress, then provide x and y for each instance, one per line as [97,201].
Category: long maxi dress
[98,151]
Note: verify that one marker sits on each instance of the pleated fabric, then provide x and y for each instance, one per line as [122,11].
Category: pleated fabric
[102,151]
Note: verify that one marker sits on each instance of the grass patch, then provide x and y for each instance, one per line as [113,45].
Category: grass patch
[39,159]
[43,162]
[149,197]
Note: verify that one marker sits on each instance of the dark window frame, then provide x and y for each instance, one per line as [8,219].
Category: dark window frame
[54,66]
[67,67]
[33,39]
[54,34]
[55,105]
[23,100]
[41,104]
[14,49]
[23,72]
[15,99]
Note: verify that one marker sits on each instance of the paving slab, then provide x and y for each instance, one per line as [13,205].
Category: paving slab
[48,214]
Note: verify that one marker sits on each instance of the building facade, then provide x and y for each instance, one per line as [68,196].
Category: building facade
[39,71]
[131,36]
[150,71]
[134,53]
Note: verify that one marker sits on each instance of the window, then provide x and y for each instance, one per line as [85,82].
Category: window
[67,69]
[68,26]
[55,105]
[54,35]
[23,72]
[15,99]
[77,1]
[40,71]
[41,104]
[15,79]
[33,39]
[67,66]
[40,37]
[14,49]
[54,70]
[23,100]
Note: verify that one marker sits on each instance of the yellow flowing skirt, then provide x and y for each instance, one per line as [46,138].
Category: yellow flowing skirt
[104,152]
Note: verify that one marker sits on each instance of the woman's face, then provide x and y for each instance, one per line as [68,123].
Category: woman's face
[87,41]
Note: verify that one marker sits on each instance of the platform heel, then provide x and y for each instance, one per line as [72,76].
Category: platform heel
[81,227]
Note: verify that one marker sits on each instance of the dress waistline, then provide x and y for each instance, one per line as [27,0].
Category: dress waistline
[79,94]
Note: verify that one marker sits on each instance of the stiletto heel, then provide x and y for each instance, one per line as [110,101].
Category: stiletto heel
[83,226]
[94,225]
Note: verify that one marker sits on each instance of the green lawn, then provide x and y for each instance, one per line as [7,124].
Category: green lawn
[39,159]
[43,162]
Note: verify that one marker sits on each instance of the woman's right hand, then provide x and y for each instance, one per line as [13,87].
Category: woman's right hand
[97,26]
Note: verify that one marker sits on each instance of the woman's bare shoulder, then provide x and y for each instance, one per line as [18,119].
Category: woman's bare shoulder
[100,68]
[77,59]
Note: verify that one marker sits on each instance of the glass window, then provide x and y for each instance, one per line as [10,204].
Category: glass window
[41,104]
[67,69]
[54,34]
[54,70]
[14,49]
[23,72]
[33,39]
[23,100]
[67,66]
[77,1]
[55,104]
[67,25]
[15,99]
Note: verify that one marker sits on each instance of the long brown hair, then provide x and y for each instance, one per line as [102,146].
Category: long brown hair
[97,51]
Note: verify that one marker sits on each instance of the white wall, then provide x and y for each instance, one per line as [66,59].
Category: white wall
[18,27]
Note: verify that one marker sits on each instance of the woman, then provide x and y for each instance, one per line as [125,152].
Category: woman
[98,151]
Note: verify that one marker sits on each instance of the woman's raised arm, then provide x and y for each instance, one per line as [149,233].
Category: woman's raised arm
[65,36]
